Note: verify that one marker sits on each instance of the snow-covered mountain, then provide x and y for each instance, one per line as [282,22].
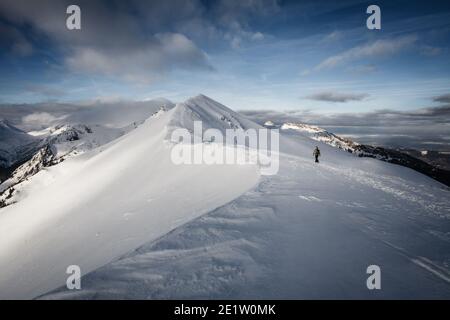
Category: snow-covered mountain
[322,135]
[115,114]
[52,146]
[212,114]
[15,145]
[116,197]
[140,226]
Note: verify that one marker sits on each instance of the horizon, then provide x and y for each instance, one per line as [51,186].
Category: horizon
[385,128]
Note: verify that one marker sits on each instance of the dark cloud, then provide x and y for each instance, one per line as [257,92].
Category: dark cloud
[427,128]
[445,98]
[136,40]
[386,117]
[337,96]
[12,38]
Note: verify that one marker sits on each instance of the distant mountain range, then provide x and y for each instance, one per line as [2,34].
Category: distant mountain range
[432,164]
[108,197]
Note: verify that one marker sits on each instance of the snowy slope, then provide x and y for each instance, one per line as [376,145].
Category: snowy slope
[308,232]
[151,229]
[55,145]
[211,113]
[15,144]
[91,209]
[363,150]
[322,135]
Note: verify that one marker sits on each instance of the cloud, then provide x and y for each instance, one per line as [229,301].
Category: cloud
[108,111]
[378,48]
[40,119]
[332,37]
[164,53]
[430,51]
[47,91]
[385,117]
[421,128]
[363,69]
[445,98]
[12,38]
[337,96]
[137,40]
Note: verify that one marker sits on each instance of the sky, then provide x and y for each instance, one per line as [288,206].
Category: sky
[248,54]
[308,61]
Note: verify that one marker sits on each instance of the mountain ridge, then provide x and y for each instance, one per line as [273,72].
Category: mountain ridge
[368,151]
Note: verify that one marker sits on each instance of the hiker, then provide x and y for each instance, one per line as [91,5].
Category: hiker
[316,153]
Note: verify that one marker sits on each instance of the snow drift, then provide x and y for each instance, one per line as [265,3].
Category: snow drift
[149,229]
[94,208]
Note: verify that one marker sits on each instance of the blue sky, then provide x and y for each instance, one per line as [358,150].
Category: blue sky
[251,54]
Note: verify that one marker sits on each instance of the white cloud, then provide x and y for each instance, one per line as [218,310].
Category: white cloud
[42,119]
[166,52]
[333,37]
[121,39]
[376,49]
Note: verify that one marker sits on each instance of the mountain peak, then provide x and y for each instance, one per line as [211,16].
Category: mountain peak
[211,113]
[200,98]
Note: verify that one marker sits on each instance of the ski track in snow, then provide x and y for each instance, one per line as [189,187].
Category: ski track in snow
[304,233]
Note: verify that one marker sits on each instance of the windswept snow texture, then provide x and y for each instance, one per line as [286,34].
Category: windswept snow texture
[94,208]
[309,232]
[57,144]
[197,231]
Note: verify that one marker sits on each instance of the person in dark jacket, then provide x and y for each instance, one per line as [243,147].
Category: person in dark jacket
[316,153]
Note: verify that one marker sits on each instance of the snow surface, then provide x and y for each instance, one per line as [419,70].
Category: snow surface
[212,114]
[55,145]
[93,208]
[309,232]
[322,135]
[151,229]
